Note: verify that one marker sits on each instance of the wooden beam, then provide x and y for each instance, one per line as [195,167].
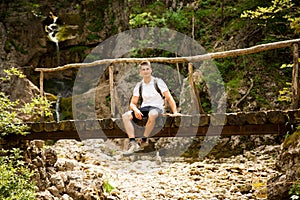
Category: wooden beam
[41,83]
[42,93]
[197,58]
[295,89]
[111,90]
[228,130]
[195,95]
[251,123]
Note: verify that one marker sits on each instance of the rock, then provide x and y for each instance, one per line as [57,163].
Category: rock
[66,197]
[158,159]
[38,162]
[288,164]
[231,177]
[54,191]
[278,188]
[58,182]
[50,157]
[45,195]
[65,165]
[38,143]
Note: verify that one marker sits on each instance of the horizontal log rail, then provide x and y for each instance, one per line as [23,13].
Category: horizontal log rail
[190,59]
[252,123]
[197,58]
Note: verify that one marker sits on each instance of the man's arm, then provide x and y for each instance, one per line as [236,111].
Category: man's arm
[171,102]
[133,103]
[134,108]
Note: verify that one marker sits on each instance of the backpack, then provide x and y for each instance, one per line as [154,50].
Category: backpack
[140,100]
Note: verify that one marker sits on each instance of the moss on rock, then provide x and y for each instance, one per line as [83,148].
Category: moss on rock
[292,140]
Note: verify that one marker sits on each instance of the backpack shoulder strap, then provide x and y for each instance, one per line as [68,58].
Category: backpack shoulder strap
[140,93]
[157,88]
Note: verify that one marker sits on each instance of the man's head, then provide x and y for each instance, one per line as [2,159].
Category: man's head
[145,63]
[145,68]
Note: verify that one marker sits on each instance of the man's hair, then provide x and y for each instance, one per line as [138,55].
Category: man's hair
[145,62]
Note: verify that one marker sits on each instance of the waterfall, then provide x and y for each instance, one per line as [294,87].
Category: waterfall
[57,107]
[57,52]
[58,31]
[52,30]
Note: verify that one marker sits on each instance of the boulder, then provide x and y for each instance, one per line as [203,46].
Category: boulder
[288,163]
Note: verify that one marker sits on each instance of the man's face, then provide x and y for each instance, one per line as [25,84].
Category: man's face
[145,71]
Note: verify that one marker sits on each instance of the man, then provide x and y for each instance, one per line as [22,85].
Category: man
[153,92]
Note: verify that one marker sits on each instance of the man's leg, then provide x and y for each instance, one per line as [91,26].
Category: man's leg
[153,114]
[129,128]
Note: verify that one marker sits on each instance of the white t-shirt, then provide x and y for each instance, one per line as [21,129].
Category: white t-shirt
[150,95]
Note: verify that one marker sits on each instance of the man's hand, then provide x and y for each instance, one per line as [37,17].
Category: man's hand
[138,114]
[173,114]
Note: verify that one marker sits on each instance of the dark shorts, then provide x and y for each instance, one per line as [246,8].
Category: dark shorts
[145,111]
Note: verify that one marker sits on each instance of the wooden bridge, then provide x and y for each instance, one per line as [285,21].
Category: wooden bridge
[250,123]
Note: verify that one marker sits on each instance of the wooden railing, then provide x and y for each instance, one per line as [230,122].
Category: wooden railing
[231,53]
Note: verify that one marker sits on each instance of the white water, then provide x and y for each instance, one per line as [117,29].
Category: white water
[52,31]
[57,108]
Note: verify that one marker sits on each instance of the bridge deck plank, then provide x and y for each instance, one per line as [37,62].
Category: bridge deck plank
[261,129]
[251,123]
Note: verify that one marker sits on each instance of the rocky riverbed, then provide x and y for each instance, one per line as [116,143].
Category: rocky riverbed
[153,177]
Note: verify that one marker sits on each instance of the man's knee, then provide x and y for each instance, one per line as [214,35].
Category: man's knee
[127,116]
[153,114]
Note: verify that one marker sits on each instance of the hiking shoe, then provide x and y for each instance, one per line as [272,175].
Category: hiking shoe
[132,148]
[143,144]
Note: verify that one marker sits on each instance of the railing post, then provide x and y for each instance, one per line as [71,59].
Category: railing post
[41,83]
[111,90]
[195,95]
[295,88]
[42,92]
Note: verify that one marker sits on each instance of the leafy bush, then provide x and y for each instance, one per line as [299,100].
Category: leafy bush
[38,108]
[9,123]
[15,178]
[294,191]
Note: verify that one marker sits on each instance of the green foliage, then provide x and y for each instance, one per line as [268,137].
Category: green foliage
[38,108]
[277,17]
[15,178]
[9,123]
[107,186]
[178,19]
[268,12]
[12,72]
[292,139]
[107,100]
[294,24]
[9,110]
[158,15]
[66,108]
[286,94]
[146,19]
[294,191]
